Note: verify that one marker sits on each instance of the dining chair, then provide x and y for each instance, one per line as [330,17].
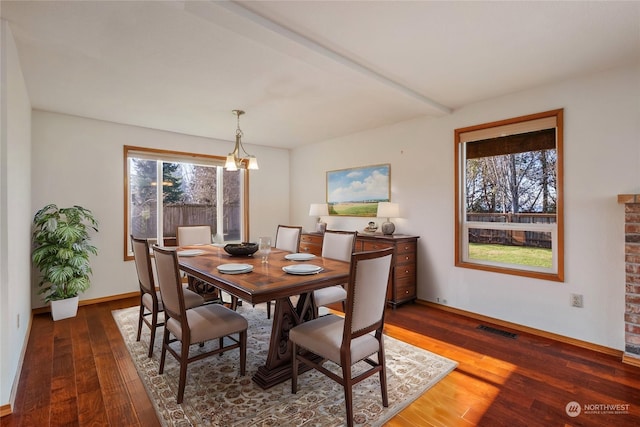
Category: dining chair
[287,239]
[192,235]
[195,326]
[189,235]
[354,338]
[150,300]
[338,245]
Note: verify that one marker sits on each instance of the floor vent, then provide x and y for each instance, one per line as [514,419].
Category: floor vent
[498,331]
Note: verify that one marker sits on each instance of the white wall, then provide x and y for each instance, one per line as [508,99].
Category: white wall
[80,161]
[15,215]
[602,160]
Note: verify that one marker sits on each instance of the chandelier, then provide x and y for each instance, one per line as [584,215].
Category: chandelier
[235,159]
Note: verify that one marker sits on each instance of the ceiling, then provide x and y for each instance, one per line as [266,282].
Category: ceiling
[304,71]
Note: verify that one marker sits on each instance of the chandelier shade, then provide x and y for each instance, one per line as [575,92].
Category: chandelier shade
[239,155]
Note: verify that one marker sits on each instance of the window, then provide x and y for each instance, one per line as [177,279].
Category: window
[509,210]
[194,190]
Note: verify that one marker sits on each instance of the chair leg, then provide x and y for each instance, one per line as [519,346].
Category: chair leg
[268,309]
[140,317]
[348,396]
[152,338]
[163,353]
[184,361]
[243,352]
[383,376]
[294,368]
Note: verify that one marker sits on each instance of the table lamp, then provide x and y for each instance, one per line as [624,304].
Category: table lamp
[388,210]
[319,210]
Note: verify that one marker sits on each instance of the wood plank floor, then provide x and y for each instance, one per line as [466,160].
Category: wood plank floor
[77,372]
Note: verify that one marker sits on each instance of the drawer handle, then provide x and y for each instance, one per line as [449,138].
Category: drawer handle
[406,292]
[305,249]
[406,257]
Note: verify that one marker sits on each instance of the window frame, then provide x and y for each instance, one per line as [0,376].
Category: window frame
[170,155]
[462,225]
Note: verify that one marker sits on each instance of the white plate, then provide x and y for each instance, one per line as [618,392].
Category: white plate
[302,269]
[234,268]
[299,257]
[246,270]
[190,252]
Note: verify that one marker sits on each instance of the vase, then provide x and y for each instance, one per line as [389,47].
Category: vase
[64,308]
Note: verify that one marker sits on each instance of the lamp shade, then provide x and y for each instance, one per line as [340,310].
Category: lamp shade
[388,210]
[318,209]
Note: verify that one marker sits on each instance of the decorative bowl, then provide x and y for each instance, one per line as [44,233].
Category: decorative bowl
[241,249]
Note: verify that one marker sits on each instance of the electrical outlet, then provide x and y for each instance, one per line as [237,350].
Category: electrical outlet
[577,301]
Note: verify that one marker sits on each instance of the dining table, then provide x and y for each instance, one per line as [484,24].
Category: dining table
[264,282]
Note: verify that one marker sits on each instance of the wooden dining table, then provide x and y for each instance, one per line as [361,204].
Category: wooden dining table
[268,282]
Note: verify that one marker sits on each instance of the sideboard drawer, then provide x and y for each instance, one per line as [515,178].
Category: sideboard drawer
[404,291]
[406,258]
[406,248]
[406,270]
[311,244]
[315,239]
[375,246]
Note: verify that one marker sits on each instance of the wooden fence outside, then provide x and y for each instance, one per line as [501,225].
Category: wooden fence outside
[511,237]
[144,221]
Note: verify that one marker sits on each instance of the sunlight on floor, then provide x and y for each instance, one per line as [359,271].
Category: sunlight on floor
[463,396]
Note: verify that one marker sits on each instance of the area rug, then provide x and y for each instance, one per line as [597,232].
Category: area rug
[216,395]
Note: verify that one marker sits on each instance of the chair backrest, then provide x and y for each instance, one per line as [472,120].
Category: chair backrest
[187,235]
[143,264]
[169,282]
[338,244]
[367,292]
[288,237]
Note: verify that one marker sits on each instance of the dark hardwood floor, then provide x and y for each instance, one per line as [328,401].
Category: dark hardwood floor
[78,372]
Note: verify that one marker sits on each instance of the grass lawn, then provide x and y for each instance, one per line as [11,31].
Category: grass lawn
[353,209]
[538,257]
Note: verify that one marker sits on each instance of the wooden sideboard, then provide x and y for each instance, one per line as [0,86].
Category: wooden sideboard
[402,287]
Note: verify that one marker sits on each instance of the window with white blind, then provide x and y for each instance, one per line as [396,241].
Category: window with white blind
[167,189]
[509,210]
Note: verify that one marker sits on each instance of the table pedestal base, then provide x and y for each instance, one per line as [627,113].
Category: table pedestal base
[277,368]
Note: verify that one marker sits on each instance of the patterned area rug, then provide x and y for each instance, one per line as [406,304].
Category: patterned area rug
[216,395]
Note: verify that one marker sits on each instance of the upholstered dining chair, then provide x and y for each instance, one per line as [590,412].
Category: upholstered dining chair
[354,338]
[150,301]
[336,245]
[189,235]
[194,326]
[287,239]
[192,235]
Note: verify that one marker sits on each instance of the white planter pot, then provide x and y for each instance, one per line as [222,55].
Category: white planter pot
[64,308]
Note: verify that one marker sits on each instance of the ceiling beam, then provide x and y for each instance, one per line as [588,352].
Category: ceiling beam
[305,41]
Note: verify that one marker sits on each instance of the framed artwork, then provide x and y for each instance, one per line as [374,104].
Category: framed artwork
[357,191]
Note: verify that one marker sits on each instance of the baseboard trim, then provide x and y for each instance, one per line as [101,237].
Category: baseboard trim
[630,360]
[533,331]
[5,410]
[47,309]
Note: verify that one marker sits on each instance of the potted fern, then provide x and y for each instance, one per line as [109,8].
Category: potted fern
[61,254]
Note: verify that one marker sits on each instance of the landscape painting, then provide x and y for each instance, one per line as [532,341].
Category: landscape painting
[357,191]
